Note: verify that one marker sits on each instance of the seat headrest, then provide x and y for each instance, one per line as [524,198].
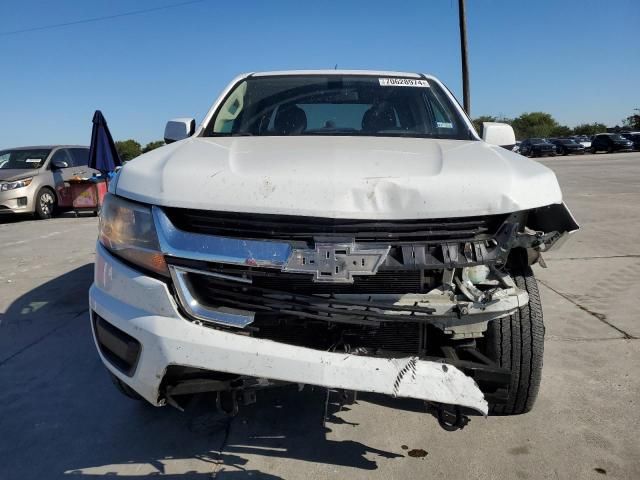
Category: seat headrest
[290,119]
[379,117]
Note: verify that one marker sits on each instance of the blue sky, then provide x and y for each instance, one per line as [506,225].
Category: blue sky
[577,59]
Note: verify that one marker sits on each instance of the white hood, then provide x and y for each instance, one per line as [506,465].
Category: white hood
[340,177]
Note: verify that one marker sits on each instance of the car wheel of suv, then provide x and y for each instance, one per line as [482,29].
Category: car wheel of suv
[561,151]
[593,149]
[516,342]
[609,149]
[124,389]
[45,203]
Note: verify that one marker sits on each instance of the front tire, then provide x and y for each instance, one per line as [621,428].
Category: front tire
[45,203]
[516,342]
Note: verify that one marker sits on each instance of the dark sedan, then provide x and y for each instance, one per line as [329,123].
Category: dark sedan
[610,142]
[566,146]
[537,147]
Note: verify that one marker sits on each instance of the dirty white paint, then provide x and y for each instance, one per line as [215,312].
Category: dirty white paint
[170,339]
[342,177]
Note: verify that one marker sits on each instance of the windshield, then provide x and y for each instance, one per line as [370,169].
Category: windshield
[338,105]
[617,137]
[23,159]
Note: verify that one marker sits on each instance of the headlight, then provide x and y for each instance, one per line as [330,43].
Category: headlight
[25,182]
[127,230]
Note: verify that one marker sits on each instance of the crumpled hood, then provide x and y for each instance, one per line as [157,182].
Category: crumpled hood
[13,174]
[339,177]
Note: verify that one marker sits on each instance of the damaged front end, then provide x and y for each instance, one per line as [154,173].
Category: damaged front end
[398,307]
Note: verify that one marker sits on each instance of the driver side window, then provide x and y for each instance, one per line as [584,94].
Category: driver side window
[230,110]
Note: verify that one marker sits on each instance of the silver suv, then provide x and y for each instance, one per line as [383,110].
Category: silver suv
[32,178]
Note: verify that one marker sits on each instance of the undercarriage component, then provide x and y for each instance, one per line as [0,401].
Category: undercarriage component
[450,417]
[227,402]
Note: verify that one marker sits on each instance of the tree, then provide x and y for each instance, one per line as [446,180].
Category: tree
[633,120]
[534,124]
[561,131]
[152,146]
[128,149]
[589,128]
[477,122]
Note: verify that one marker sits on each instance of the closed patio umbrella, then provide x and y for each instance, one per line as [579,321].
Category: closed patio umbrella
[103,155]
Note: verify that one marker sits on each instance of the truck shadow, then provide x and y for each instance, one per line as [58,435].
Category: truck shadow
[57,402]
[50,303]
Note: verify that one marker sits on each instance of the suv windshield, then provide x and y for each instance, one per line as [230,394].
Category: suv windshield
[355,105]
[23,159]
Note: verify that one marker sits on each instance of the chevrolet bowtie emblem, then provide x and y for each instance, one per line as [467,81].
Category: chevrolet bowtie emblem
[336,262]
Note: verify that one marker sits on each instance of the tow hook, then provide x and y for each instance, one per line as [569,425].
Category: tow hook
[450,417]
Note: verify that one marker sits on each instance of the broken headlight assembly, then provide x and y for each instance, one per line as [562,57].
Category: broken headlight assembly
[127,230]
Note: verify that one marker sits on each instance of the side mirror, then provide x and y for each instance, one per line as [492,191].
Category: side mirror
[58,164]
[179,129]
[499,134]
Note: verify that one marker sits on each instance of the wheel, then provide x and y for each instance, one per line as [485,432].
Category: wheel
[593,150]
[517,343]
[124,389]
[609,149]
[45,203]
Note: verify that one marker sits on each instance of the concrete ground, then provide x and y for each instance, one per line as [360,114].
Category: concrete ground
[60,416]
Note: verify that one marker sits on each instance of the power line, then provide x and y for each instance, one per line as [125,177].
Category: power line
[98,19]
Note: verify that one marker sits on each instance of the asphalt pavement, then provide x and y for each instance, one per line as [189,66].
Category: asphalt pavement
[61,417]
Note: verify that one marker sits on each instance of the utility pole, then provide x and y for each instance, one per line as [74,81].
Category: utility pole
[463,52]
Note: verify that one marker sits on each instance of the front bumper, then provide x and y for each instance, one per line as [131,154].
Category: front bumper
[19,200]
[144,309]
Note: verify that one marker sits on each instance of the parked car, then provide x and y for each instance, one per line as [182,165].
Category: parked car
[343,229]
[32,178]
[583,140]
[566,146]
[634,138]
[537,147]
[610,142]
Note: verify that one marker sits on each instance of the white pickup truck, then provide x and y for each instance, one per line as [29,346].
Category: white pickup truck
[345,229]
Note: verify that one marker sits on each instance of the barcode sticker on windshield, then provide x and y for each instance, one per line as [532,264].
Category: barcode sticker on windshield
[33,160]
[403,82]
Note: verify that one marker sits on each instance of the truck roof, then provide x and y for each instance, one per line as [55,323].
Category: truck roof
[338,72]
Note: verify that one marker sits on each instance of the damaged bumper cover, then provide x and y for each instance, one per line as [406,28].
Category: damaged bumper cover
[143,308]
